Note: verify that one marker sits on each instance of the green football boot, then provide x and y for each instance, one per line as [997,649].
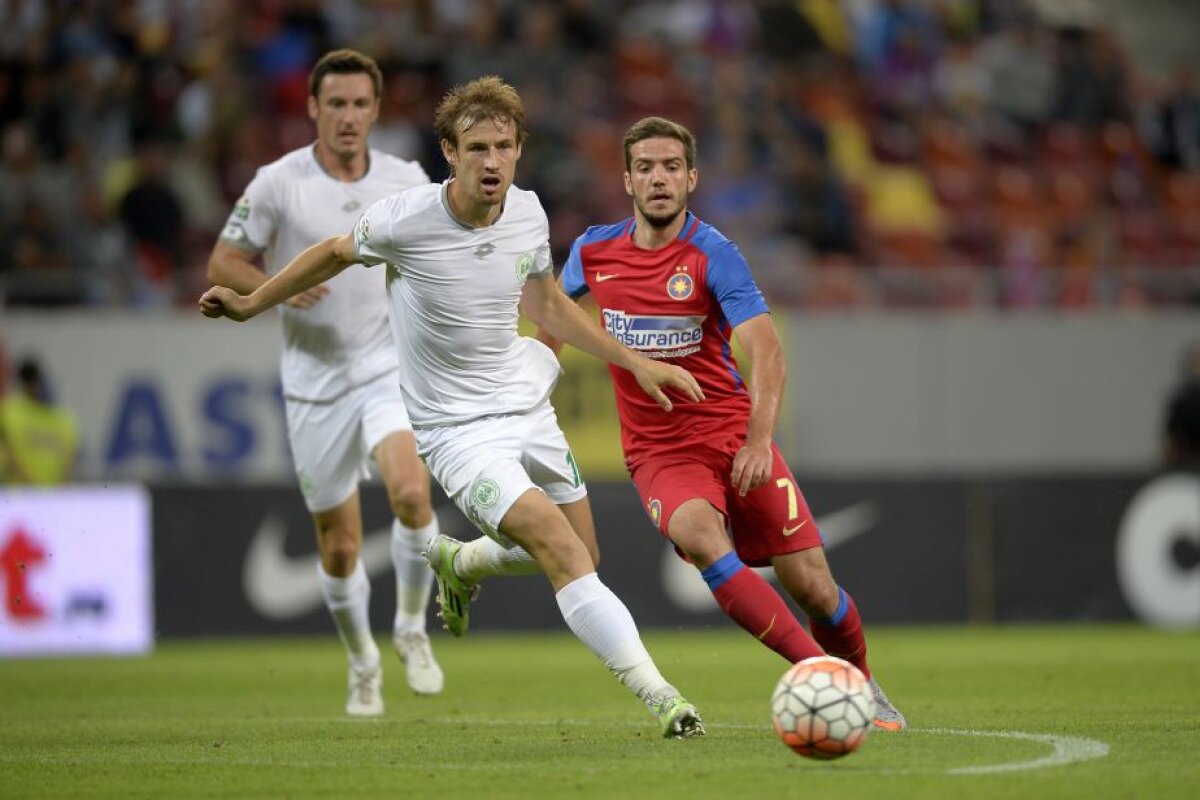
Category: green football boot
[454,594]
[679,718]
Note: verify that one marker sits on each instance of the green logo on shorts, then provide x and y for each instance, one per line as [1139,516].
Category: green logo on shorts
[485,493]
[576,477]
[524,264]
[307,487]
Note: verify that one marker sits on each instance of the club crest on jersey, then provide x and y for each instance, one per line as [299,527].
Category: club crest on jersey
[680,285]
[485,493]
[655,510]
[524,265]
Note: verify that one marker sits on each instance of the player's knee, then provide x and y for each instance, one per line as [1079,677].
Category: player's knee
[701,548]
[558,551]
[409,501]
[339,554]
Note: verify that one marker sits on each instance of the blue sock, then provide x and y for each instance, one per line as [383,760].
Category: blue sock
[721,570]
[840,612]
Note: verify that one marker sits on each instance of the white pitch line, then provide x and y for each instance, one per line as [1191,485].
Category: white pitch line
[1067,750]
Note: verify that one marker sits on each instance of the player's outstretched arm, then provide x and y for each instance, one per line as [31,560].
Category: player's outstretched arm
[314,266]
[230,265]
[553,312]
[752,463]
[589,306]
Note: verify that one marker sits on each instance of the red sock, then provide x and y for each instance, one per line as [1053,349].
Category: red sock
[842,634]
[752,603]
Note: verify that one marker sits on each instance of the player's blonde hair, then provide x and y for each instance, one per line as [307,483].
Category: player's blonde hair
[344,62]
[656,127]
[483,98]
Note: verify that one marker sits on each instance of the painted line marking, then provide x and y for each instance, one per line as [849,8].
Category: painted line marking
[1065,749]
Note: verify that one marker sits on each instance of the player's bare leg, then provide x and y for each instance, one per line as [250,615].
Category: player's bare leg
[347,593]
[579,516]
[543,530]
[407,482]
[835,620]
[595,615]
[698,529]
[461,566]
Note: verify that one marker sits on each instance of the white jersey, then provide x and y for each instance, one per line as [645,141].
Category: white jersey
[343,341]
[454,293]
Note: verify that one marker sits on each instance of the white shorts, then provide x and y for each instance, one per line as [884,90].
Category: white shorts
[485,465]
[332,442]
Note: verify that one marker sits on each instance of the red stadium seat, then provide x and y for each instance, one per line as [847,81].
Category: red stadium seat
[949,144]
[1068,145]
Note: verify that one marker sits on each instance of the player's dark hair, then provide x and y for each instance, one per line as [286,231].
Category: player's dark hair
[656,127]
[344,62]
[29,372]
[483,98]
[32,380]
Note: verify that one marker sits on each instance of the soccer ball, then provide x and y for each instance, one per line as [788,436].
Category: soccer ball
[823,707]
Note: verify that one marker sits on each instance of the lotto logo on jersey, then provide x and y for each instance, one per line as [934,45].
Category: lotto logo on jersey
[655,337]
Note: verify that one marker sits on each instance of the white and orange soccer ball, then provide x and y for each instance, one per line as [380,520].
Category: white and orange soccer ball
[823,707]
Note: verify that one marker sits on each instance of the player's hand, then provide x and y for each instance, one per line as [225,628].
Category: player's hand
[751,467]
[653,376]
[221,301]
[308,298]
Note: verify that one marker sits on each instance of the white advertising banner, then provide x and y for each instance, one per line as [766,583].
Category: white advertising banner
[171,396]
[76,571]
[164,396]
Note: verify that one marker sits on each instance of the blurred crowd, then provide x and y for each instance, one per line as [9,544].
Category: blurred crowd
[862,153]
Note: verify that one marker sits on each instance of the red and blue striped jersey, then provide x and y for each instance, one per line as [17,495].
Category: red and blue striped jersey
[680,303]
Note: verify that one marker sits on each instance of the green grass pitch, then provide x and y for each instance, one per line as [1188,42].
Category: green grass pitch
[1008,712]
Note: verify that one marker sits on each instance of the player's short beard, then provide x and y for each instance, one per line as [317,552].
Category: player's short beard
[660,221]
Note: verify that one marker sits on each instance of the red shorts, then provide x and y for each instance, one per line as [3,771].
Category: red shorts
[769,521]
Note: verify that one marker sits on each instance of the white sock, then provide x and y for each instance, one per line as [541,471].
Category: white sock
[482,557]
[348,600]
[414,578]
[604,624]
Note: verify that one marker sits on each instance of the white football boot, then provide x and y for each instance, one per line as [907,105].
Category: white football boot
[420,667]
[366,692]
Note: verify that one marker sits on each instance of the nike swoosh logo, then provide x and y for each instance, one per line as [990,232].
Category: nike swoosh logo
[283,587]
[602,278]
[762,635]
[788,530]
[685,588]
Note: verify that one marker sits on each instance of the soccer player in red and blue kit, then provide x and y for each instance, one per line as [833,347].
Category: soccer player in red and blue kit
[673,288]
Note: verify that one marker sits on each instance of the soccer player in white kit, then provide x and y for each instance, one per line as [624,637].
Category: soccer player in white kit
[461,258]
[339,367]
